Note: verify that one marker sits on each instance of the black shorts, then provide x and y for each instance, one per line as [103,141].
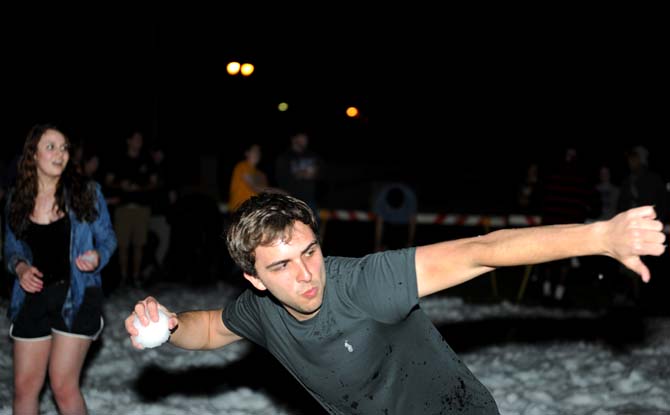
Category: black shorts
[40,314]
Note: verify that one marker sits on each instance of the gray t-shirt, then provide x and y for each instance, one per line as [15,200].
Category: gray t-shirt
[370,349]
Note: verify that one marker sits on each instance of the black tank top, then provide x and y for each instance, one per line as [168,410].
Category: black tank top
[50,245]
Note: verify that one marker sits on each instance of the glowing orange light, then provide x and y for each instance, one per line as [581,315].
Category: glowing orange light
[247,69]
[233,68]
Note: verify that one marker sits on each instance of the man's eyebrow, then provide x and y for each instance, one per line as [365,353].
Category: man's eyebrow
[274,264]
[310,246]
[284,261]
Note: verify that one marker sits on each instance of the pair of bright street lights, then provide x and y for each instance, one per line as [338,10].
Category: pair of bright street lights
[234,68]
[246,69]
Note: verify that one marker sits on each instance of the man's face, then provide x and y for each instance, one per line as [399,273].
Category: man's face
[135,142]
[300,142]
[293,271]
[254,155]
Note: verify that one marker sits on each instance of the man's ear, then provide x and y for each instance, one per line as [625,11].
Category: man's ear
[255,281]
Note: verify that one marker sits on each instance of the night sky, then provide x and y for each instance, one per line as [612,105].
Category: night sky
[453,103]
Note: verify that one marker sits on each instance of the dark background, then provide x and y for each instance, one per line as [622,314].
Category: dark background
[456,103]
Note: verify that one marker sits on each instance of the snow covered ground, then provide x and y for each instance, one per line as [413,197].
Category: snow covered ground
[535,361]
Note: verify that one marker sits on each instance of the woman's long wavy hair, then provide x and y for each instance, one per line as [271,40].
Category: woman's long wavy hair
[72,192]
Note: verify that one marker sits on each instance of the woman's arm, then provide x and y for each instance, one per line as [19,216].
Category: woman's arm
[103,232]
[14,251]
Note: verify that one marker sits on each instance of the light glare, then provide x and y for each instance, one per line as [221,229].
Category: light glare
[233,68]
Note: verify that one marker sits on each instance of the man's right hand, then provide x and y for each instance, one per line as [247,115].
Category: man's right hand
[147,310]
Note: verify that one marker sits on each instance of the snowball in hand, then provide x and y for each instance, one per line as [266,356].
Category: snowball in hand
[88,257]
[155,334]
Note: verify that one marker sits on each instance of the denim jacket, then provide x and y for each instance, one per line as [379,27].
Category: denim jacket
[98,235]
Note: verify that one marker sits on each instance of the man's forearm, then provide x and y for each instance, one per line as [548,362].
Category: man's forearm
[447,264]
[193,331]
[511,247]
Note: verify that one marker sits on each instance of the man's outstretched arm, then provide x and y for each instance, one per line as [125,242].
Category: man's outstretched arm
[625,237]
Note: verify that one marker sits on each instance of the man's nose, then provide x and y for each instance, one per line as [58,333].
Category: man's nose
[304,275]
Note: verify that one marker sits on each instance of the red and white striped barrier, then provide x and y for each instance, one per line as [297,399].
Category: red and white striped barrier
[448,219]
[346,215]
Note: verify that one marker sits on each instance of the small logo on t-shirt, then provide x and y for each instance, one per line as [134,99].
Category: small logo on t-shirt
[349,347]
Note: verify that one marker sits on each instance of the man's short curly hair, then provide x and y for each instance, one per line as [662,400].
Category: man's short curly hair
[261,220]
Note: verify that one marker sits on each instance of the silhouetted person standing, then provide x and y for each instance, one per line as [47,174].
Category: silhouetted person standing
[567,197]
[643,186]
[134,179]
[298,170]
[247,179]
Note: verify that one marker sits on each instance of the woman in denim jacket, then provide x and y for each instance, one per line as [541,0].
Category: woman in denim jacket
[58,237]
